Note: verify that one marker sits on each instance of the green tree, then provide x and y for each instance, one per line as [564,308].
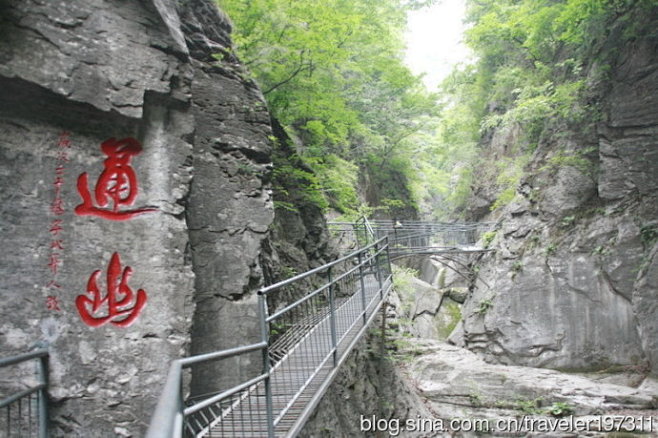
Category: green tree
[535,63]
[333,75]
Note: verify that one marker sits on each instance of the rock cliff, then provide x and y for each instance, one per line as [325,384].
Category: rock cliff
[135,167]
[572,282]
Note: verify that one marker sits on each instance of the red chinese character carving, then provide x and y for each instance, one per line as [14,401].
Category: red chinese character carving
[52,303]
[62,156]
[54,263]
[57,244]
[56,227]
[116,185]
[57,207]
[122,306]
[53,285]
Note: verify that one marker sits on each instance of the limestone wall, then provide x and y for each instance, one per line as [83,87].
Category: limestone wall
[133,181]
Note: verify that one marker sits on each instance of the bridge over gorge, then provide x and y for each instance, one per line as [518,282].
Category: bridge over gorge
[408,238]
[301,348]
[449,243]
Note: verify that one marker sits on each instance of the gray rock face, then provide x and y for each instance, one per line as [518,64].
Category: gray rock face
[229,206]
[423,304]
[103,69]
[426,311]
[458,384]
[577,321]
[102,53]
[571,284]
[572,189]
[645,304]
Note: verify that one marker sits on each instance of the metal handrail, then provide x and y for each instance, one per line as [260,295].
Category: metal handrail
[373,252]
[167,420]
[268,289]
[307,346]
[321,288]
[40,389]
[415,237]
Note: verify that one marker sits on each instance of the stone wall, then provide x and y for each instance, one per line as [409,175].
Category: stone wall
[172,214]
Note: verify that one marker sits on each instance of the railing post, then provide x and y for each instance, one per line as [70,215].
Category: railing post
[388,256]
[363,288]
[378,272]
[43,397]
[179,423]
[332,319]
[262,305]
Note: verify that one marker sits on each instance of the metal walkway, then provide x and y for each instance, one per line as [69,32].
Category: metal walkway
[408,238]
[302,348]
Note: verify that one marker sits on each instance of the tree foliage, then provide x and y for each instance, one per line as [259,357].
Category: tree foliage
[332,73]
[538,62]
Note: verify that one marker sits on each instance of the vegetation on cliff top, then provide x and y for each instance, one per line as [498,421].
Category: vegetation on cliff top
[538,66]
[333,75]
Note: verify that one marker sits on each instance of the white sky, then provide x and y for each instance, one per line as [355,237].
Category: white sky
[434,40]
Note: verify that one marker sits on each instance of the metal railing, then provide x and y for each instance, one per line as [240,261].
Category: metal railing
[309,324]
[24,412]
[416,237]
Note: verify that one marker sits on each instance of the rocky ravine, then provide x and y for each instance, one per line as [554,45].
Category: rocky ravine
[573,280]
[457,385]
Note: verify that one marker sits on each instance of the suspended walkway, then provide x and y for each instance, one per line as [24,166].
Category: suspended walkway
[302,347]
[409,238]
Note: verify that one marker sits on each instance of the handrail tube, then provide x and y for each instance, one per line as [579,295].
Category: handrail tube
[12,398]
[162,423]
[346,273]
[332,318]
[42,401]
[388,258]
[378,273]
[303,275]
[296,428]
[318,290]
[171,401]
[171,397]
[331,353]
[179,421]
[363,288]
[264,332]
[300,301]
[43,352]
[222,354]
[214,399]
[43,395]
